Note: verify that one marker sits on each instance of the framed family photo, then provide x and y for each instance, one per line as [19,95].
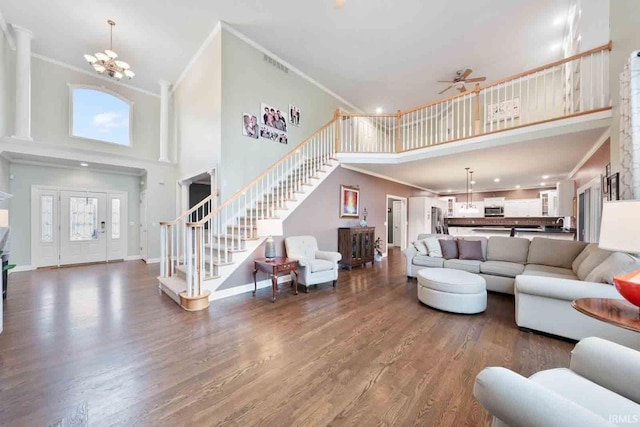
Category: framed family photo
[273,123]
[250,126]
[349,201]
[294,115]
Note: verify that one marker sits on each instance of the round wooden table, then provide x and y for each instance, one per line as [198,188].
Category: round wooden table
[614,311]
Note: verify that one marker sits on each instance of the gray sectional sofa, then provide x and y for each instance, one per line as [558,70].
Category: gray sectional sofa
[545,275]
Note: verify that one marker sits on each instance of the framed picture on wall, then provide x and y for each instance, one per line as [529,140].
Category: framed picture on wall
[250,125]
[349,201]
[614,186]
[294,115]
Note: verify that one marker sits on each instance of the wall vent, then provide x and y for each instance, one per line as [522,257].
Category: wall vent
[275,63]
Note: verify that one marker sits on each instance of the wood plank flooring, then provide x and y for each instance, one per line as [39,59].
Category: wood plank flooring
[365,353]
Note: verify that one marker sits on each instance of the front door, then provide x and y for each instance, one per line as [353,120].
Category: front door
[83,227]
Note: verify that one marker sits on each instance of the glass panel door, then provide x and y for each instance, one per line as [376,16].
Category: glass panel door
[83,227]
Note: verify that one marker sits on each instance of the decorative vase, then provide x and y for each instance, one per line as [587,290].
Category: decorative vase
[363,222]
[629,286]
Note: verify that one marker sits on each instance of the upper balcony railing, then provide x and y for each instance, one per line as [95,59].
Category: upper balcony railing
[570,87]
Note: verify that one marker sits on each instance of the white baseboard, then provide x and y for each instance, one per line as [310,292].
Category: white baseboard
[237,290]
[133,258]
[20,268]
[152,260]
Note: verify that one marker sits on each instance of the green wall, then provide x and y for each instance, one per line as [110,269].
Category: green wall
[247,81]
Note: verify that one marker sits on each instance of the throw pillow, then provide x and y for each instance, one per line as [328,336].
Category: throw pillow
[470,250]
[433,246]
[449,248]
[617,263]
[421,247]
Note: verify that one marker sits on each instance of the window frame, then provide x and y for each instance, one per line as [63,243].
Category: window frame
[103,89]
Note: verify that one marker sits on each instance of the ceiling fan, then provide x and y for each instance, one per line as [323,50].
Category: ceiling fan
[460,79]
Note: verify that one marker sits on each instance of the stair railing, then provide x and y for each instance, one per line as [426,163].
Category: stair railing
[212,239]
[566,88]
[173,236]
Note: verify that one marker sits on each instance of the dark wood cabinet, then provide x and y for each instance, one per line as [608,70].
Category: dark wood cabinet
[356,244]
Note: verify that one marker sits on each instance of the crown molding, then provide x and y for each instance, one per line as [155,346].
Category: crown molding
[266,51]
[385,177]
[599,143]
[216,30]
[7,33]
[92,74]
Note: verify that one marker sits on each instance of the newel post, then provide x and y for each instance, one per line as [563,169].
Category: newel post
[476,122]
[399,132]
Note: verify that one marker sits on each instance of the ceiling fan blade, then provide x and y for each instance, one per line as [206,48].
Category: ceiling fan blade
[446,81]
[466,73]
[476,79]
[440,93]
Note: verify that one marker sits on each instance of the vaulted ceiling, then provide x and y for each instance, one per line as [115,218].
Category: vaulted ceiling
[373,53]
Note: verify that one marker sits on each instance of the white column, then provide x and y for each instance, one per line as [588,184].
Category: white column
[164,120]
[22,124]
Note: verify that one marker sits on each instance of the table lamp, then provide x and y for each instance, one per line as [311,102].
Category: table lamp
[269,228]
[620,231]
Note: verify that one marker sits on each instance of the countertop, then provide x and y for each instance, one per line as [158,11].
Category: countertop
[507,229]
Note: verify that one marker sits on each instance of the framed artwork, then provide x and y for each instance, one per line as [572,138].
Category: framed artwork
[294,115]
[349,201]
[503,110]
[273,123]
[250,125]
[614,186]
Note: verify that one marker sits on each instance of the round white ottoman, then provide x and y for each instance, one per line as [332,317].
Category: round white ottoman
[451,290]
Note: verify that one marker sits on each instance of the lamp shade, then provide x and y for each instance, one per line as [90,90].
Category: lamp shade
[620,228]
[269,227]
[4,217]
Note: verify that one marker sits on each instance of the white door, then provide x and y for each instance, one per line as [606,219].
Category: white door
[83,227]
[44,227]
[403,225]
[116,226]
[396,223]
[142,221]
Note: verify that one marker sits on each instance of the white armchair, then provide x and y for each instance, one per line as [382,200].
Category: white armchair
[601,387]
[315,266]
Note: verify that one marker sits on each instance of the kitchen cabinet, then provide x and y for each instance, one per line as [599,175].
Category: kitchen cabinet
[450,202]
[522,208]
[549,200]
[419,216]
[494,202]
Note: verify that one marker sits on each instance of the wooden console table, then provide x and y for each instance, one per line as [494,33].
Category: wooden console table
[613,311]
[276,267]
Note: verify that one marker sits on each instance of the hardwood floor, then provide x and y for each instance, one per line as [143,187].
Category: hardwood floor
[102,337]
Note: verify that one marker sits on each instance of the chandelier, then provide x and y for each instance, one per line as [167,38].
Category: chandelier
[106,62]
[469,207]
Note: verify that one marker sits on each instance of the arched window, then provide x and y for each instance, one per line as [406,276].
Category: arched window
[100,115]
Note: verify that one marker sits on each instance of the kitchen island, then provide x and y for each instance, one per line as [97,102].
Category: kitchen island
[527,227]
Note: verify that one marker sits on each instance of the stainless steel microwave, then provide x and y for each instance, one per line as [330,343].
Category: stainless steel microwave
[495,211]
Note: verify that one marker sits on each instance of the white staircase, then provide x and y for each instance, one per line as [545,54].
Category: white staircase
[201,248]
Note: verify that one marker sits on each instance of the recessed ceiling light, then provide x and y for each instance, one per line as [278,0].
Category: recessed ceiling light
[555,47]
[545,176]
[542,183]
[517,186]
[84,164]
[496,179]
[449,191]
[473,182]
[379,110]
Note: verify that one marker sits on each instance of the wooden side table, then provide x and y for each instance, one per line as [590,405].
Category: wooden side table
[276,267]
[614,311]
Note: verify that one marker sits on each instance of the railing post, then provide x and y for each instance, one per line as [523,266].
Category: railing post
[169,254]
[398,132]
[336,118]
[476,122]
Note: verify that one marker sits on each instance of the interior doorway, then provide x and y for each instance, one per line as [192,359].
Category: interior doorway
[396,224]
[195,189]
[589,210]
[77,226]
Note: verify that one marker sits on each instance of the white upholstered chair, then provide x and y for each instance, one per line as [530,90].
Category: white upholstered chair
[601,387]
[316,266]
